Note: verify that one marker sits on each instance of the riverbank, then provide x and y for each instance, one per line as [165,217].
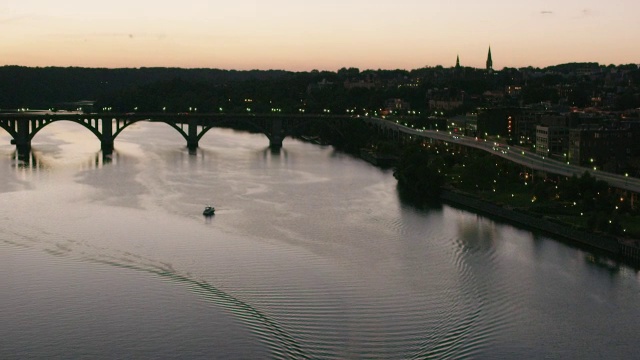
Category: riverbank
[381,160]
[626,248]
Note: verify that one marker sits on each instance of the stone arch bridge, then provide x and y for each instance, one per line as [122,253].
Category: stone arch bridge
[107,126]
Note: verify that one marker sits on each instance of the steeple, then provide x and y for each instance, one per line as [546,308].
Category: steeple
[489,61]
[458,62]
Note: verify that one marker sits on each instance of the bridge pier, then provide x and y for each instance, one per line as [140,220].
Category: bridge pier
[106,142]
[275,140]
[275,144]
[107,147]
[22,140]
[192,135]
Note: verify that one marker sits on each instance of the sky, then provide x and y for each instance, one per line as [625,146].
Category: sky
[302,35]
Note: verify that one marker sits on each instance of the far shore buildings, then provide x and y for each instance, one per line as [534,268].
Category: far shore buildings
[592,140]
[592,134]
[446,99]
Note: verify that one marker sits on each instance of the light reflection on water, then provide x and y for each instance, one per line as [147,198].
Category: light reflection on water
[311,253]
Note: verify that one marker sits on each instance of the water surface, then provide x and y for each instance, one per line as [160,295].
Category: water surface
[311,254]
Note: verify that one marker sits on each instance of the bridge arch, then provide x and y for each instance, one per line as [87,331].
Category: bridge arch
[330,123]
[120,126]
[39,124]
[253,123]
[9,126]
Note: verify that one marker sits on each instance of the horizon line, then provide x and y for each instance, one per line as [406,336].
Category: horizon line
[312,70]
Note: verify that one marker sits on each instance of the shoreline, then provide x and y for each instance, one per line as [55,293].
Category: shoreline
[617,247]
[624,248]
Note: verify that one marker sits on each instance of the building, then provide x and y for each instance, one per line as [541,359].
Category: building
[489,62]
[497,121]
[525,132]
[602,149]
[552,141]
[396,106]
[319,86]
[445,99]
[513,90]
[444,104]
[359,84]
[463,124]
[525,126]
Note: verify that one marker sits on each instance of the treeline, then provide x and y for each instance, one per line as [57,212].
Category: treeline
[45,86]
[316,92]
[176,89]
[285,95]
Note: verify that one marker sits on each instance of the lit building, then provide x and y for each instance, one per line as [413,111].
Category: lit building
[463,124]
[513,90]
[395,105]
[552,141]
[497,121]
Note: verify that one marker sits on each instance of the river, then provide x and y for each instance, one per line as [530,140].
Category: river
[311,254]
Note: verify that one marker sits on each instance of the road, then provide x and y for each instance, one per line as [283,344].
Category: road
[517,155]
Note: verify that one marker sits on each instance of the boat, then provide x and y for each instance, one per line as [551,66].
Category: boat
[208,211]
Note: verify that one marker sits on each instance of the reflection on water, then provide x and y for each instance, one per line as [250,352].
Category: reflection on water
[477,234]
[269,154]
[25,160]
[33,160]
[604,262]
[407,198]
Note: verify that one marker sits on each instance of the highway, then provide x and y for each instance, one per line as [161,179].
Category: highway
[517,155]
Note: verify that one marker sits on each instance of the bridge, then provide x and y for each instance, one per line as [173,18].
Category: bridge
[193,126]
[23,126]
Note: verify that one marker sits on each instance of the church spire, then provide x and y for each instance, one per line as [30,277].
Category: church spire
[458,62]
[489,61]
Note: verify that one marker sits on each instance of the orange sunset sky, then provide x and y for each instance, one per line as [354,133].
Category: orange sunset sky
[303,35]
